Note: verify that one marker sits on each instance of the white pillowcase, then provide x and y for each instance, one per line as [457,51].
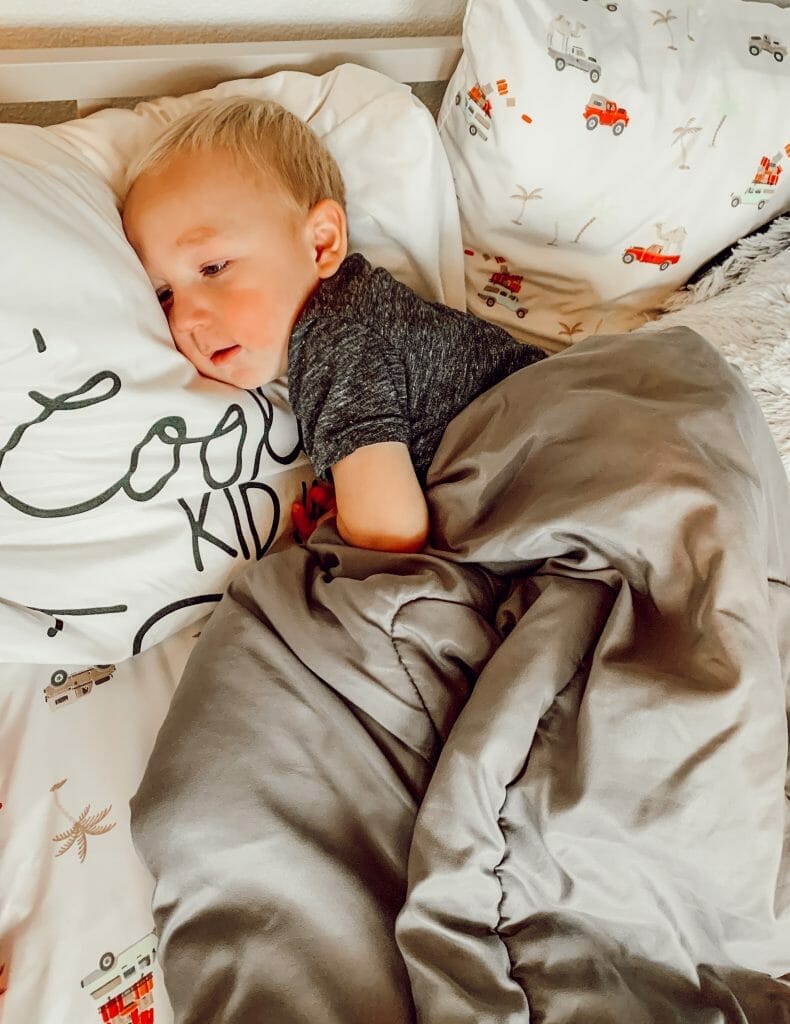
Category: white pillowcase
[601,155]
[131,488]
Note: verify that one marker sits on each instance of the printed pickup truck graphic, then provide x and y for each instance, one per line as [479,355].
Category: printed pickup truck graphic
[607,4]
[652,254]
[600,110]
[64,688]
[759,43]
[575,57]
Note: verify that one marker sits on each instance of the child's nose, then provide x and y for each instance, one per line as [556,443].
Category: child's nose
[187,312]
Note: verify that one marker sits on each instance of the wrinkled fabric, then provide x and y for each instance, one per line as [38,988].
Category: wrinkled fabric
[535,772]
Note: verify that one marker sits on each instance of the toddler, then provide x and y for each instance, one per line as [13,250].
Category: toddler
[237,215]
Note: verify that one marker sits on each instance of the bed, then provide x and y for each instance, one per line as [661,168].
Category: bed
[536,772]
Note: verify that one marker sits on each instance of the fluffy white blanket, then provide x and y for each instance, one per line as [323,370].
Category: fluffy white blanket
[742,306]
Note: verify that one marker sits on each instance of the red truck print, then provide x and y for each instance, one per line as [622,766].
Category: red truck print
[123,985]
[764,182]
[600,110]
[652,254]
[503,287]
[477,111]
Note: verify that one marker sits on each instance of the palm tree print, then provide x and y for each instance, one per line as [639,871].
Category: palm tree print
[680,136]
[525,197]
[664,19]
[719,127]
[728,106]
[606,309]
[691,38]
[568,330]
[589,223]
[601,208]
[86,825]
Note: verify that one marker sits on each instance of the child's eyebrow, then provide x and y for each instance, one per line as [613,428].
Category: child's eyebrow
[196,235]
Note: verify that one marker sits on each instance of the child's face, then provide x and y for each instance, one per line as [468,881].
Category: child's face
[232,259]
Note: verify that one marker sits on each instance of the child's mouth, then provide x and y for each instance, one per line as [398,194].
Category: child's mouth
[222,355]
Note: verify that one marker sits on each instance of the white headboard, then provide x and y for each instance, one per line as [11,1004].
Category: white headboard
[91,76]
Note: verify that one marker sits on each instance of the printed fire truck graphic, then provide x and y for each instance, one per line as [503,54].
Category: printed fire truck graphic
[764,182]
[477,111]
[123,986]
[64,688]
[600,110]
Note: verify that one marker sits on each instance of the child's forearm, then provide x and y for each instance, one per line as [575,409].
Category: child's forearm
[380,503]
[404,541]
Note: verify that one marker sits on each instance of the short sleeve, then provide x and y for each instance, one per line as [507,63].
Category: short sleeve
[347,388]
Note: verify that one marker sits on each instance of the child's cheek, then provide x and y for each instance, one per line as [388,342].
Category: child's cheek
[250,312]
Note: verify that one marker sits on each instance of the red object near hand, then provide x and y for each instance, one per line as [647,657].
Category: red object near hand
[316,502]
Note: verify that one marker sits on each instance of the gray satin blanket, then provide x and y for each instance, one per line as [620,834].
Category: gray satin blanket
[537,772]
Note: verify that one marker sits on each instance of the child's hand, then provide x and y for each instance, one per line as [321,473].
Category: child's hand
[317,505]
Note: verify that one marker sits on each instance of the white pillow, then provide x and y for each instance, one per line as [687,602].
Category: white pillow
[131,488]
[580,215]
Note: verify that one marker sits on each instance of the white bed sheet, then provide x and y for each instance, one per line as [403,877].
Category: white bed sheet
[73,888]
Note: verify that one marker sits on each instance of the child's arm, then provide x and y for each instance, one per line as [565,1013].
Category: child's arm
[380,503]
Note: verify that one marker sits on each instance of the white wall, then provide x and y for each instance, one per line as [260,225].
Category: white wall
[35,23]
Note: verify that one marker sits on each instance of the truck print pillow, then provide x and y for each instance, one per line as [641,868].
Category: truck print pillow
[603,150]
[131,488]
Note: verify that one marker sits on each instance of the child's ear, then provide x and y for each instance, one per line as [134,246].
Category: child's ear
[327,221]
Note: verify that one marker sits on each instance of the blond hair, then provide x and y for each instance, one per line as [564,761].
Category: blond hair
[262,135]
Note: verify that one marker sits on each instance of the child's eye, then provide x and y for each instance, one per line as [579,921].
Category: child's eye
[212,269]
[164,295]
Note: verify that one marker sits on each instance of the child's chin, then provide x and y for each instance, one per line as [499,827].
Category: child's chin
[246,378]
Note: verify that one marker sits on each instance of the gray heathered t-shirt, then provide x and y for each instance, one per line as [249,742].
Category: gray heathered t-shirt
[369,361]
